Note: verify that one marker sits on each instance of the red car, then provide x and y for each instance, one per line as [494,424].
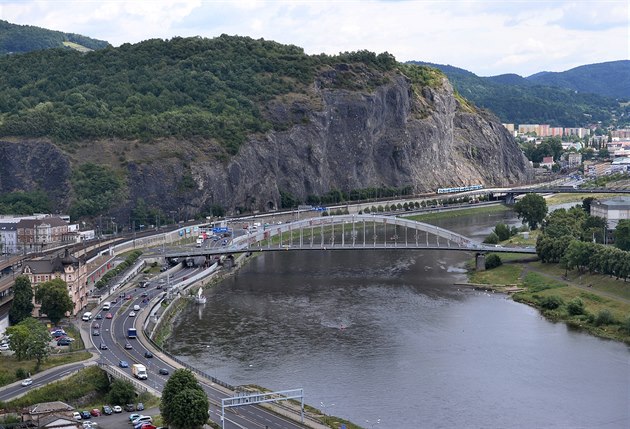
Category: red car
[95,412]
[109,316]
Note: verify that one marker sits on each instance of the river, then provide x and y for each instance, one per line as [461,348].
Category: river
[385,339]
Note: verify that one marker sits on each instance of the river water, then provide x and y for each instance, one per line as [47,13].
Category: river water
[385,339]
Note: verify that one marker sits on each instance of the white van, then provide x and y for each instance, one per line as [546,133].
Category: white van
[87,316]
[107,305]
[136,307]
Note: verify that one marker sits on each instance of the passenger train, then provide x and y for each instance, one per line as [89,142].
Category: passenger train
[459,189]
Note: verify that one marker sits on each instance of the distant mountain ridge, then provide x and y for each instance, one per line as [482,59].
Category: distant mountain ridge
[566,99]
[16,38]
[610,79]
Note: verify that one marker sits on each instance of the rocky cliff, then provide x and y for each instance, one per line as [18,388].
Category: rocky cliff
[396,134]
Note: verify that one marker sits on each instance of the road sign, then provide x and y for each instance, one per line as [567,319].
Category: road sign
[219,229]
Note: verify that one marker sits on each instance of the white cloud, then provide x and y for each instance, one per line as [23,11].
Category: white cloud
[486,37]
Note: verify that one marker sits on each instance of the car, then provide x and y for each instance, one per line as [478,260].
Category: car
[107,410]
[114,301]
[64,342]
[5,348]
[95,412]
[140,406]
[85,415]
[99,316]
[123,364]
[128,346]
[132,314]
[76,415]
[159,286]
[96,326]
[27,382]
[163,371]
[90,425]
[128,297]
[108,316]
[146,425]
[117,409]
[148,354]
[103,346]
[140,420]
[96,333]
[131,407]
[144,294]
[58,333]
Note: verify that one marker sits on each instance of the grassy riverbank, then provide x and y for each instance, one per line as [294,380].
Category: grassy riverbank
[594,303]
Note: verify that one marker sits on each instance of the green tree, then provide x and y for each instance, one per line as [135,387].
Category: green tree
[121,392]
[492,238]
[502,231]
[622,235]
[29,340]
[54,298]
[172,407]
[190,409]
[586,204]
[492,261]
[22,305]
[532,208]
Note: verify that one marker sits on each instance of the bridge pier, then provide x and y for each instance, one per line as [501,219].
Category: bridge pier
[510,199]
[480,262]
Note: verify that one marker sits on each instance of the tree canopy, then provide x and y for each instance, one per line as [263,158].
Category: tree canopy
[22,305]
[622,235]
[532,208]
[184,404]
[29,340]
[54,298]
[184,87]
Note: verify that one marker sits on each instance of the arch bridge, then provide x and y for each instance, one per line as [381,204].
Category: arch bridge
[350,232]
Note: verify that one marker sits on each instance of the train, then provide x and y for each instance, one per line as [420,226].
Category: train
[459,189]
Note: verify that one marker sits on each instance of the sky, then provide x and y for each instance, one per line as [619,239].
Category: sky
[486,37]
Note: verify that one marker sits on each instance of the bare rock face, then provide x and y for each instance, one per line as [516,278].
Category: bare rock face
[35,165]
[395,135]
[390,137]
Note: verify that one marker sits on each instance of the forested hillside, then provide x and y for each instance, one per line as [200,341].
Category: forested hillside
[522,101]
[16,39]
[610,79]
[185,87]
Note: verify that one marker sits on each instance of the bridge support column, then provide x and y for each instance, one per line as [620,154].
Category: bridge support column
[480,262]
[510,199]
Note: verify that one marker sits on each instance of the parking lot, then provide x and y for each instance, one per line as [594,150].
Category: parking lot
[120,420]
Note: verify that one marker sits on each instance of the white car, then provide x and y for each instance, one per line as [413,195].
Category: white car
[27,382]
[76,415]
[117,409]
[132,314]
[4,347]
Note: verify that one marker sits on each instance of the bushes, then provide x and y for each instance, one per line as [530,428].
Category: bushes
[493,261]
[575,307]
[551,302]
[605,317]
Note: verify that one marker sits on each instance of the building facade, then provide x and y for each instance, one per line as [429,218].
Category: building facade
[613,210]
[41,233]
[71,270]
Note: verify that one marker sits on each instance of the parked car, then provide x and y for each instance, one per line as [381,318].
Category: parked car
[132,314]
[140,420]
[27,382]
[123,364]
[117,409]
[146,425]
[140,406]
[130,407]
[163,371]
[107,410]
[76,415]
[95,412]
[128,346]
[86,415]
[103,346]
[148,354]
[5,347]
[64,342]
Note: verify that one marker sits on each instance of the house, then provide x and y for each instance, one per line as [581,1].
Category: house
[613,210]
[68,268]
[41,233]
[547,162]
[52,415]
[8,238]
[596,169]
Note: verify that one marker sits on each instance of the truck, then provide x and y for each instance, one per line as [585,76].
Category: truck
[131,333]
[139,371]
